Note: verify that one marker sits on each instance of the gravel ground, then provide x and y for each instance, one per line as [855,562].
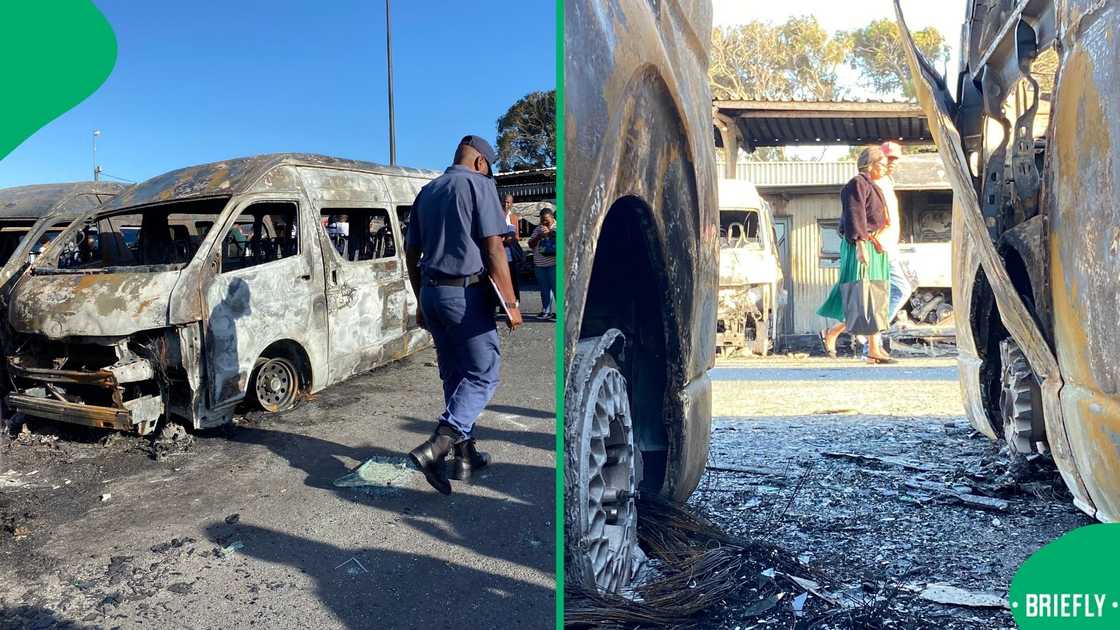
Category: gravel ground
[851,468]
[243,527]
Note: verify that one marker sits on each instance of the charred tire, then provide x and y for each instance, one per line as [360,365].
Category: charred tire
[275,383]
[1020,400]
[601,475]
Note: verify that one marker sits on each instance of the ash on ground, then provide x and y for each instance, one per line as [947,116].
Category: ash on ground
[872,478]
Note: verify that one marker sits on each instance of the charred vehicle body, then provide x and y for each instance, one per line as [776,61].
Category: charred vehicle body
[32,216]
[191,290]
[925,202]
[750,273]
[1030,145]
[642,262]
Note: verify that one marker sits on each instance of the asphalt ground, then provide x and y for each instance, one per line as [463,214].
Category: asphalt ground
[243,526]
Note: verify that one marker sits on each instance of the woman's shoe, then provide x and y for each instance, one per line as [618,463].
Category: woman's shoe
[881,360]
[831,352]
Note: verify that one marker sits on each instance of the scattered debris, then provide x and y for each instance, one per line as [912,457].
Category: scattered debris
[971,500]
[171,439]
[12,479]
[232,519]
[106,496]
[887,460]
[355,567]
[232,547]
[180,588]
[946,594]
[378,474]
[175,543]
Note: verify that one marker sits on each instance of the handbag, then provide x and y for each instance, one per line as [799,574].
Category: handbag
[865,303]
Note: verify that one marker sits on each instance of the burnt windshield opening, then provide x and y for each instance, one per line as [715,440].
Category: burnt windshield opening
[12,234]
[157,237]
[738,227]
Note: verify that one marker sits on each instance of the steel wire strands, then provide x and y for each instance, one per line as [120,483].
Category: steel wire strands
[698,571]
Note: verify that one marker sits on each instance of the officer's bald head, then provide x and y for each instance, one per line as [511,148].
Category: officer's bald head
[471,158]
[465,155]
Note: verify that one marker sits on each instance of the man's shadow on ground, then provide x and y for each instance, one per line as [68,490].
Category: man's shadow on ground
[388,589]
[462,519]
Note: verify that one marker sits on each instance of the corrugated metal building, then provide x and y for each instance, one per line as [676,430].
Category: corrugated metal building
[805,198]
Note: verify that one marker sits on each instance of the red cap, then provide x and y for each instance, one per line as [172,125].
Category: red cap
[892,150]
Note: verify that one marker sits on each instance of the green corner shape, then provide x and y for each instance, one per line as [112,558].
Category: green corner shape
[1071,582]
[56,54]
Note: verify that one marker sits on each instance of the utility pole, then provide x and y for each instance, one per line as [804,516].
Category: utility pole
[389,62]
[96,168]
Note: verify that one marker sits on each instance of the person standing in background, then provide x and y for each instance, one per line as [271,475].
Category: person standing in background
[890,236]
[513,248]
[543,242]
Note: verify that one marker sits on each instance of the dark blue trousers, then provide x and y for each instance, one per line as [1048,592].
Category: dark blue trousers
[461,321]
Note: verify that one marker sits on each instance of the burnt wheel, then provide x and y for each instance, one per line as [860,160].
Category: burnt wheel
[275,384]
[1020,400]
[602,472]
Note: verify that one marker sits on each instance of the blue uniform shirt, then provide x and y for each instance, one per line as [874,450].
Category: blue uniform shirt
[450,217]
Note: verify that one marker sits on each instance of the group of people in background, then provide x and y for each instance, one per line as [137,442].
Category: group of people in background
[542,242]
[870,231]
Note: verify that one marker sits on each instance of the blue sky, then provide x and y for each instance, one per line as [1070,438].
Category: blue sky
[205,80]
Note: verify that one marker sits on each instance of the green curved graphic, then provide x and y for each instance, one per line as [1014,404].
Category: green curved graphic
[56,54]
[1071,582]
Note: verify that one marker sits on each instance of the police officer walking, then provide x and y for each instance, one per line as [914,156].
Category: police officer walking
[453,250]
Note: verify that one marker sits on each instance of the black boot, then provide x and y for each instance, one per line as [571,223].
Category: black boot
[429,457]
[467,460]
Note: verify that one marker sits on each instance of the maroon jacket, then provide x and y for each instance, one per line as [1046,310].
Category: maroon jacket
[865,209]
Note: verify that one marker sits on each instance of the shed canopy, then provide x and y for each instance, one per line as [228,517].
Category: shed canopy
[534,185]
[763,123]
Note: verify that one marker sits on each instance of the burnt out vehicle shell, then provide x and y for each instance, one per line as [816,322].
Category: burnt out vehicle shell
[638,116]
[46,206]
[183,340]
[750,272]
[1050,276]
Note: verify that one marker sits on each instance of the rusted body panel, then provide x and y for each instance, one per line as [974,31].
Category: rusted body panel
[1082,192]
[102,305]
[638,128]
[1040,247]
[123,344]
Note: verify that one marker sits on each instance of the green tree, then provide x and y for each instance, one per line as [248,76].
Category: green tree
[527,133]
[796,59]
[878,56]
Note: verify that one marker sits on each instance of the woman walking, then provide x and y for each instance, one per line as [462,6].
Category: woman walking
[543,242]
[864,215]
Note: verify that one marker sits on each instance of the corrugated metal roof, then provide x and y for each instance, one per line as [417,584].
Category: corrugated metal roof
[771,123]
[534,185]
[914,172]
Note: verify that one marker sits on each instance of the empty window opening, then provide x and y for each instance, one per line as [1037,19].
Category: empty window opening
[262,233]
[361,234]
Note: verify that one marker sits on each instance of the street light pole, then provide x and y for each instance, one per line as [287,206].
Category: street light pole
[389,62]
[96,168]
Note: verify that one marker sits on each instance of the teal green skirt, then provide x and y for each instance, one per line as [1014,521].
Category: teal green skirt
[878,268]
